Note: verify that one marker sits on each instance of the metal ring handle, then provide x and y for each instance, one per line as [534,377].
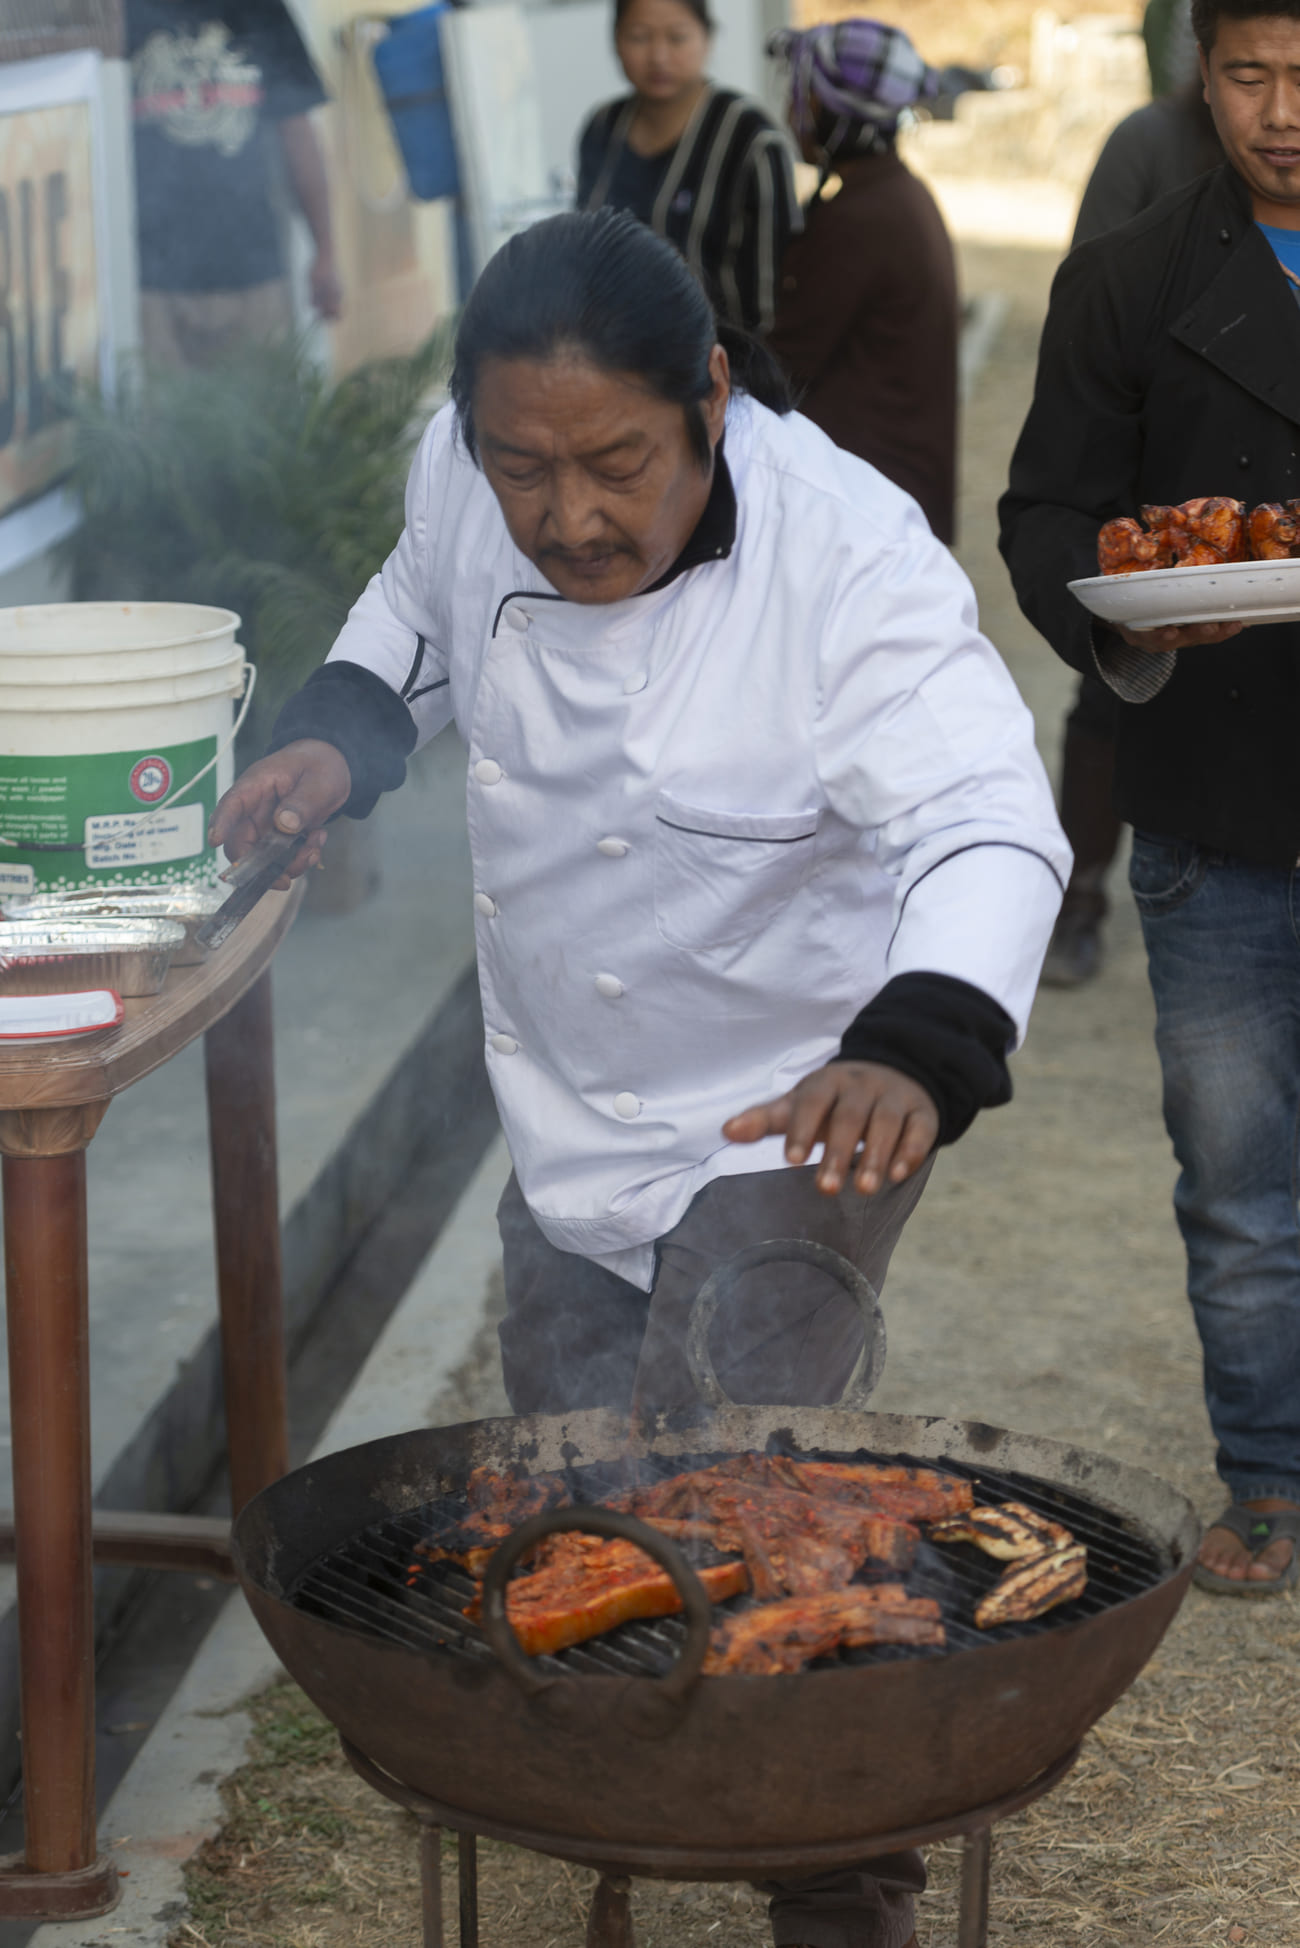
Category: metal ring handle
[696,1603]
[864,1378]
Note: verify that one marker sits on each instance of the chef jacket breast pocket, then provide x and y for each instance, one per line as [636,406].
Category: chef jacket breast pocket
[720,877]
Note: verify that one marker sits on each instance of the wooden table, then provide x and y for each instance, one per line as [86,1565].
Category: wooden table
[52,1101]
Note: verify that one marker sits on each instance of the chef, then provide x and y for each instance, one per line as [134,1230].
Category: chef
[765,862]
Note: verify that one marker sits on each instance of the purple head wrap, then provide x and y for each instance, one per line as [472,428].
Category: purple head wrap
[861,70]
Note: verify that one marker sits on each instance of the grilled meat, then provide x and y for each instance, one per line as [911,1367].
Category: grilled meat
[798,1533]
[908,1494]
[1195,534]
[1034,1586]
[810,1544]
[586,1584]
[497,1505]
[1010,1532]
[1275,531]
[783,1637]
[1125,548]
[1211,529]
[505,1501]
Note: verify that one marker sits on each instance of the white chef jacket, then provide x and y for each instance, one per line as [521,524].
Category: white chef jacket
[710,822]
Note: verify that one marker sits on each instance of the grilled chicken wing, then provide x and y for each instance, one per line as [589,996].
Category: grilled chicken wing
[783,1637]
[1274,530]
[1010,1532]
[1195,534]
[1125,548]
[1032,1587]
[1216,522]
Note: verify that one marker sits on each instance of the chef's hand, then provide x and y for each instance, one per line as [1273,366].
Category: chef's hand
[848,1106]
[294,790]
[1160,641]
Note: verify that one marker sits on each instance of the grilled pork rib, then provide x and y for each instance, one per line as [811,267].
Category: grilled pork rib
[588,1584]
[809,1544]
[781,1637]
[909,1494]
[1034,1586]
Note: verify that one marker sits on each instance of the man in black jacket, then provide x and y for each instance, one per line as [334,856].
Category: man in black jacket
[1170,368]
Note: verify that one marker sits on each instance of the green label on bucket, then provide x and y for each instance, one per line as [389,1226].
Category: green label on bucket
[93,819]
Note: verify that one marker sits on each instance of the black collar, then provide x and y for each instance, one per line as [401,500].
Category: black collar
[714,534]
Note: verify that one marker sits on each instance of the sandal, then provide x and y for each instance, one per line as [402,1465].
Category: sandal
[1256,1530]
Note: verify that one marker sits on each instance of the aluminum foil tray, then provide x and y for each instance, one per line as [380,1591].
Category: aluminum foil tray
[52,956]
[190,904]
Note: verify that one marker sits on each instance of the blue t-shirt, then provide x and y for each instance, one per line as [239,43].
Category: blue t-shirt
[1286,248]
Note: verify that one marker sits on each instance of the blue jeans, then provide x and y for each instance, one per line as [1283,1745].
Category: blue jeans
[1223,952]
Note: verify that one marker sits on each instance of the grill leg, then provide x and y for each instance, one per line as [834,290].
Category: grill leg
[973,1916]
[609,1925]
[431,1884]
[467,1861]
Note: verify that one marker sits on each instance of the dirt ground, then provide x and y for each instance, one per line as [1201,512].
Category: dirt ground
[1040,1286]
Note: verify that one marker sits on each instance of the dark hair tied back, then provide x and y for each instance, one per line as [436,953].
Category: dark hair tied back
[699,8]
[606,287]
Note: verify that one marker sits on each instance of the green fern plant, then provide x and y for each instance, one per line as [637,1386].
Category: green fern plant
[261,485]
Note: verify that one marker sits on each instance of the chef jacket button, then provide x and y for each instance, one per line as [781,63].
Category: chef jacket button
[505,1044]
[516,619]
[1243,459]
[627,1105]
[610,986]
[488,771]
[637,681]
[1234,696]
[613,848]
[1225,236]
[485,905]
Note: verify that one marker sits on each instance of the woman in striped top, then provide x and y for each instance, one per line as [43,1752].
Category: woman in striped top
[702,166]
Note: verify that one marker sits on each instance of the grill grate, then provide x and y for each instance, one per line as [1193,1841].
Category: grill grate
[363,1582]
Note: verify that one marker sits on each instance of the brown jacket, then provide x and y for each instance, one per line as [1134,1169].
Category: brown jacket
[866,326]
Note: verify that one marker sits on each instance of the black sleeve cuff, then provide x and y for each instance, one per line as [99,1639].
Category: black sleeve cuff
[354,710]
[950,1037]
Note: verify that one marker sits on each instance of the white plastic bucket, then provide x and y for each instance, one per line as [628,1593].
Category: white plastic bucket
[108,711]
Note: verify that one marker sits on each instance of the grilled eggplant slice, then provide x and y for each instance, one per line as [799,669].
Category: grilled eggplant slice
[1010,1533]
[1029,1589]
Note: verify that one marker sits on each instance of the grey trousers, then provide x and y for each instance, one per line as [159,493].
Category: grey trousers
[576,1336]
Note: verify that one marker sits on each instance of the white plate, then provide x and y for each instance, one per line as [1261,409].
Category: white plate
[1161,598]
[28,1018]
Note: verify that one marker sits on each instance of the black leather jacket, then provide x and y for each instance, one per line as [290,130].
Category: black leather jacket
[1169,368]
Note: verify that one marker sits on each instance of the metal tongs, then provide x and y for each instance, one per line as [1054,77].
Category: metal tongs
[253,875]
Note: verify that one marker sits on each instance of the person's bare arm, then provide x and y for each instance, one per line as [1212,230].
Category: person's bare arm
[306,166]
